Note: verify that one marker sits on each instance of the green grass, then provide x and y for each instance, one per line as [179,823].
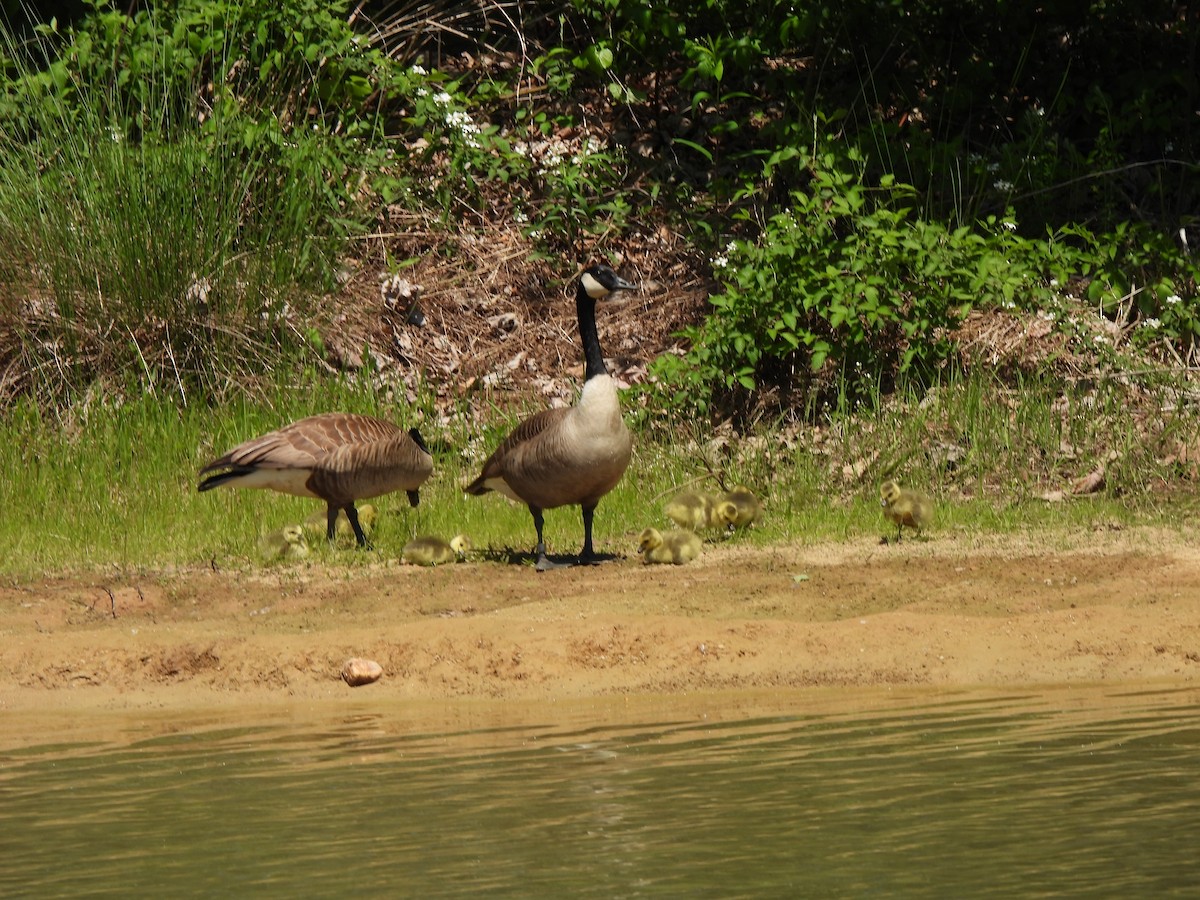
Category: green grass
[145,250]
[113,485]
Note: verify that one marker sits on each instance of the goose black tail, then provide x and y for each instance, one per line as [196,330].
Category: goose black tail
[213,481]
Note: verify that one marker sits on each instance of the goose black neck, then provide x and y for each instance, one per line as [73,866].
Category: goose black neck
[593,356]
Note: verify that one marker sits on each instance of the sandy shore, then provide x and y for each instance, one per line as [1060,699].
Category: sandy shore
[950,611]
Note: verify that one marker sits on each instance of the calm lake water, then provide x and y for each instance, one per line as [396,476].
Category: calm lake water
[1082,792]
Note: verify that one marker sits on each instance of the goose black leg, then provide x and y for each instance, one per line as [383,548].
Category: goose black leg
[587,556]
[331,522]
[543,561]
[352,515]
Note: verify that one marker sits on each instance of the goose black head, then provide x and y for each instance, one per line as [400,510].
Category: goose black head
[599,281]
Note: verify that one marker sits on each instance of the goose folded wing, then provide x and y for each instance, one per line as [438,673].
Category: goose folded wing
[522,437]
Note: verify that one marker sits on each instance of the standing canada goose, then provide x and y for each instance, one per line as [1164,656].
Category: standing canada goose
[433,551]
[905,507]
[315,522]
[560,457]
[695,512]
[335,457]
[677,547]
[283,543]
[746,508]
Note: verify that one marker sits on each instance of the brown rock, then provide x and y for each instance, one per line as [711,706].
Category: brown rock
[358,671]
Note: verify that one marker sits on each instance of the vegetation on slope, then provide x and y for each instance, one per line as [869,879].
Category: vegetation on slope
[837,211]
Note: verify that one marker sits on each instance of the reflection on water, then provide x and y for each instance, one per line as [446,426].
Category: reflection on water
[797,795]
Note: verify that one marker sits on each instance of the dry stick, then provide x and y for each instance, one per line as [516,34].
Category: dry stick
[112,600]
[711,471]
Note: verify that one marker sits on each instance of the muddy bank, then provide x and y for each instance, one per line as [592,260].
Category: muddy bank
[952,610]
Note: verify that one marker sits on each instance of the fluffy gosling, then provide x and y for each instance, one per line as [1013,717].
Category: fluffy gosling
[675,547]
[746,508]
[433,551]
[692,511]
[283,543]
[905,507]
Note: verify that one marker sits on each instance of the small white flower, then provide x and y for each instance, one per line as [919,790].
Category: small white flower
[1150,323]
[993,167]
[1053,282]
[418,70]
[1174,298]
[1009,226]
[442,98]
[720,262]
[1003,186]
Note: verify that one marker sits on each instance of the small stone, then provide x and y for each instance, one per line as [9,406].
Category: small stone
[357,671]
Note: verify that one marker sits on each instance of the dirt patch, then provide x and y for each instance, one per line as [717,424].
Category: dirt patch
[950,611]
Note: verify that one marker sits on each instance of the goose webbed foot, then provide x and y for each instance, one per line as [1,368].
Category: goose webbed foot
[545,563]
[591,558]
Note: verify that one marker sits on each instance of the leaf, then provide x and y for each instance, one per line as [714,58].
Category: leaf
[694,146]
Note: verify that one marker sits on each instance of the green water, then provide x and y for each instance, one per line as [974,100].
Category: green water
[1060,793]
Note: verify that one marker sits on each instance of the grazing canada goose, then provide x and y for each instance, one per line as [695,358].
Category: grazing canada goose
[676,547]
[561,457]
[283,543]
[745,507]
[433,551]
[695,512]
[905,507]
[336,457]
[315,522]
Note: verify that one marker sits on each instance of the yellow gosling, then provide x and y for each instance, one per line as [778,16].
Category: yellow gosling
[746,508]
[905,507]
[674,547]
[283,543]
[434,551]
[692,511]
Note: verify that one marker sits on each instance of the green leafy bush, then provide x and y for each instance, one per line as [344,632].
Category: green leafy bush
[848,290]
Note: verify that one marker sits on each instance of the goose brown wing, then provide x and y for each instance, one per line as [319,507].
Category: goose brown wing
[304,443]
[528,430]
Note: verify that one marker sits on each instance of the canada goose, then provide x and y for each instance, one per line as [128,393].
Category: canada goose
[676,547]
[746,508]
[433,551]
[336,457]
[315,522]
[905,507]
[560,457]
[283,543]
[694,512]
